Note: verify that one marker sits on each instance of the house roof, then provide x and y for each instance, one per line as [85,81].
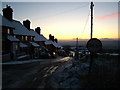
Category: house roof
[11,38]
[5,22]
[37,36]
[35,44]
[48,42]
[23,45]
[20,29]
[57,45]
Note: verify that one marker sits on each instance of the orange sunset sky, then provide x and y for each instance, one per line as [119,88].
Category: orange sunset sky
[68,20]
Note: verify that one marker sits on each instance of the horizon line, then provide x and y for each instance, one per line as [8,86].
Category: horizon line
[87,39]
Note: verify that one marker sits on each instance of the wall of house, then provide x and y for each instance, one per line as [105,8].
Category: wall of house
[10,50]
[30,38]
[6,47]
[51,48]
[15,49]
[19,37]
[24,38]
[40,42]
[5,43]
[5,32]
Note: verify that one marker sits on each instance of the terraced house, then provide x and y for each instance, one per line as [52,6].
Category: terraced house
[20,42]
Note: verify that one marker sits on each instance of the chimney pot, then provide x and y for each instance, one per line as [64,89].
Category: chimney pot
[8,13]
[38,30]
[26,23]
[56,40]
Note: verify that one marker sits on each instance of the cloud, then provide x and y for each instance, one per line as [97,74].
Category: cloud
[109,16]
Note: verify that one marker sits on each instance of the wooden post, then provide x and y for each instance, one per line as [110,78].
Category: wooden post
[91,7]
[91,54]
[76,56]
[76,43]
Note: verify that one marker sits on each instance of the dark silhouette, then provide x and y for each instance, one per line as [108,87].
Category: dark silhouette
[38,30]
[31,51]
[56,40]
[51,37]
[26,23]
[8,13]
[11,55]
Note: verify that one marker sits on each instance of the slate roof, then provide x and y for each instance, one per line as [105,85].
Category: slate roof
[20,29]
[11,38]
[34,44]
[57,45]
[48,42]
[5,22]
[23,45]
[37,36]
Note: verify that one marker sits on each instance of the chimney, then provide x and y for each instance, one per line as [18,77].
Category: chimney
[26,23]
[38,30]
[56,40]
[50,37]
[8,13]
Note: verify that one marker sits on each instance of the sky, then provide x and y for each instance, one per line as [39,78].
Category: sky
[68,20]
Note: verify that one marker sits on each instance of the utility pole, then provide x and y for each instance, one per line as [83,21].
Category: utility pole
[77,43]
[91,54]
[93,45]
[91,7]
[76,53]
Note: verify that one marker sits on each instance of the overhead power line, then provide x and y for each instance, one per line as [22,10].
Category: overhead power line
[66,11]
[86,23]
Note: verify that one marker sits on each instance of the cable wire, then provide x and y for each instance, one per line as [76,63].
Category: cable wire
[67,11]
[85,23]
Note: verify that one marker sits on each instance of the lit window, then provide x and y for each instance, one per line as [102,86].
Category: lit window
[14,36]
[22,37]
[26,38]
[8,31]
[16,47]
[31,38]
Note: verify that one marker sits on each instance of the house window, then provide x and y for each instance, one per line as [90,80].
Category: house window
[31,38]
[8,31]
[14,36]
[16,47]
[22,37]
[26,38]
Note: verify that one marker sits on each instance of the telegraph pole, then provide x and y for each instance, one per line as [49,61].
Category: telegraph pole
[76,43]
[91,7]
[93,45]
[76,56]
[91,54]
